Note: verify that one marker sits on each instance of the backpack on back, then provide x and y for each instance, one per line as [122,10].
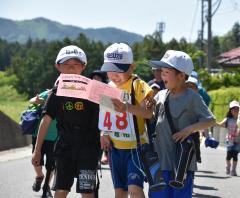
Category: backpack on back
[30,118]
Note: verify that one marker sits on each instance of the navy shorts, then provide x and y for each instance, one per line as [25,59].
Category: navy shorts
[47,150]
[126,168]
[170,192]
[67,169]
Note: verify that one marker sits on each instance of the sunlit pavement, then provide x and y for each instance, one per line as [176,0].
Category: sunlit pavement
[17,175]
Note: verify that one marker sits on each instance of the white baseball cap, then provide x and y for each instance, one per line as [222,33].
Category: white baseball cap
[69,52]
[192,80]
[155,85]
[117,58]
[175,59]
[194,74]
[234,103]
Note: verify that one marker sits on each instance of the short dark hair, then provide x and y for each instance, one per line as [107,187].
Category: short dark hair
[99,73]
[179,72]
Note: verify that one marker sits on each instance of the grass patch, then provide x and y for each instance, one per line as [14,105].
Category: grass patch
[11,103]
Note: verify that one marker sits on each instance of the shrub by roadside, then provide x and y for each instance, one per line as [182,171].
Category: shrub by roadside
[12,103]
[220,100]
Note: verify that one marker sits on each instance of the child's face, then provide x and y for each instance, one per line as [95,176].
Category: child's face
[157,74]
[120,78]
[235,111]
[192,86]
[71,66]
[171,78]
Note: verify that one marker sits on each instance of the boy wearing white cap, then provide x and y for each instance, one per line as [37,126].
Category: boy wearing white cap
[78,143]
[192,83]
[188,113]
[120,127]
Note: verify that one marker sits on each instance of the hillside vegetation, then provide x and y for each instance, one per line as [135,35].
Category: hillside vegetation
[11,102]
[42,28]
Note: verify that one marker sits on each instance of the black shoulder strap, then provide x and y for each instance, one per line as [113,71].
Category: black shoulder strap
[226,123]
[133,100]
[168,114]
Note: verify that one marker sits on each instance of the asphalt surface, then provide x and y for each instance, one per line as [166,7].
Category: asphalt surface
[17,175]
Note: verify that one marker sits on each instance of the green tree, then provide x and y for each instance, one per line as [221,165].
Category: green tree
[231,39]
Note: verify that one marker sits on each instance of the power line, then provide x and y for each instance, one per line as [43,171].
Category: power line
[218,5]
[193,21]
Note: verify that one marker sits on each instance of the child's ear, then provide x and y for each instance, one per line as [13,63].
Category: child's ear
[58,67]
[183,76]
[133,66]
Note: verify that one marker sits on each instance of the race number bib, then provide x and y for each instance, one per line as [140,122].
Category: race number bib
[120,124]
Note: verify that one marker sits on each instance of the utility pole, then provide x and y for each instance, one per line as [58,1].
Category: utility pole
[160,29]
[202,24]
[201,32]
[209,48]
[210,14]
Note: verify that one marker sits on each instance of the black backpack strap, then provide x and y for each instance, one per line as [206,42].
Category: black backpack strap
[197,143]
[96,191]
[142,156]
[133,101]
[168,114]
[226,123]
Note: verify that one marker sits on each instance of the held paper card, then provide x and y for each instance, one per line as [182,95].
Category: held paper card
[77,86]
[98,89]
[73,85]
[106,104]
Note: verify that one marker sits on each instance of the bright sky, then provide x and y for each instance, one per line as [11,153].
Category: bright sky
[182,17]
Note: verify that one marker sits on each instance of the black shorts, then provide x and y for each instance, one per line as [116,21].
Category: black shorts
[47,150]
[232,154]
[67,169]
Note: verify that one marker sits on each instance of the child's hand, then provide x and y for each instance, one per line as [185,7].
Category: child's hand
[36,158]
[119,106]
[105,142]
[36,100]
[149,102]
[181,135]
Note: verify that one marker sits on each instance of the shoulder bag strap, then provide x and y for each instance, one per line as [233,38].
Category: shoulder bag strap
[133,100]
[168,114]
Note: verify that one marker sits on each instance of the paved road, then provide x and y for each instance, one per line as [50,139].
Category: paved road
[211,179]
[16,175]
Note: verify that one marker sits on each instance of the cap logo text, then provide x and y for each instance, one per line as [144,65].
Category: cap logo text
[166,55]
[75,51]
[115,56]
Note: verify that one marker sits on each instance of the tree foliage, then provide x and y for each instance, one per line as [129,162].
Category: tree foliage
[31,65]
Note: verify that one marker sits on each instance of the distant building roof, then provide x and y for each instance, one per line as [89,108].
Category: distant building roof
[230,58]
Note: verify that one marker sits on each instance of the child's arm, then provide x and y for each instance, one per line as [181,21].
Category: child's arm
[36,100]
[42,131]
[184,133]
[222,123]
[142,110]
[105,141]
